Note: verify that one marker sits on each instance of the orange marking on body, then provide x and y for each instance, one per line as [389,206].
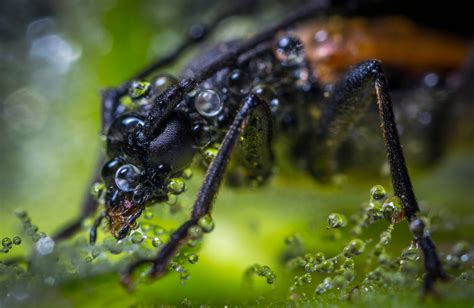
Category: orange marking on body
[333,45]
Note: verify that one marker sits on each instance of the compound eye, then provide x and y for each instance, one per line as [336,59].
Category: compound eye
[127,178]
[118,133]
[109,169]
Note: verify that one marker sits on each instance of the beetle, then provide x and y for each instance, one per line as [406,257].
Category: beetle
[243,92]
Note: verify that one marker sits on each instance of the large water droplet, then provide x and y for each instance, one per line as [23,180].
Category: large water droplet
[127,177]
[45,245]
[377,192]
[208,103]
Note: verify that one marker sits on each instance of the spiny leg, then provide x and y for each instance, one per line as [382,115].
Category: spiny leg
[351,97]
[209,188]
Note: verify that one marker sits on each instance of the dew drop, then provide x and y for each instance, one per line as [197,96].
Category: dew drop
[97,190]
[157,242]
[137,238]
[158,230]
[411,253]
[377,193]
[238,82]
[162,82]
[208,103]
[392,209]
[417,228]
[7,243]
[206,223]
[127,177]
[265,92]
[193,258]
[336,220]
[148,215]
[355,247]
[45,245]
[176,186]
[195,232]
[289,50]
[187,173]
[16,240]
[138,89]
[209,154]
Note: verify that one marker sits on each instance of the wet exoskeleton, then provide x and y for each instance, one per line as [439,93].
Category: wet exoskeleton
[241,93]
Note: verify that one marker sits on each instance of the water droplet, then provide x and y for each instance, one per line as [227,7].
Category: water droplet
[208,103]
[417,228]
[138,89]
[162,82]
[377,193]
[339,282]
[289,50]
[336,220]
[209,154]
[348,264]
[319,257]
[326,266]
[193,258]
[137,238]
[195,232]
[264,92]
[159,230]
[148,215]
[202,134]
[176,186]
[117,135]
[7,243]
[45,245]
[392,209]
[127,177]
[355,247]
[238,82]
[187,173]
[206,223]
[97,190]
[16,240]
[411,253]
[157,242]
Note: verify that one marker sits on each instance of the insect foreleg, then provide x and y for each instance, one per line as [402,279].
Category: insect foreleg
[207,193]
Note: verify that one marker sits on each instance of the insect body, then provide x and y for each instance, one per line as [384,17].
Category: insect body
[247,93]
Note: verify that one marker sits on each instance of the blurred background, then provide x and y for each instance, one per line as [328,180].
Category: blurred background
[55,56]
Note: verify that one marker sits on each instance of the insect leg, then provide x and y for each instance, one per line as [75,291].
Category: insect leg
[208,191]
[351,97]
